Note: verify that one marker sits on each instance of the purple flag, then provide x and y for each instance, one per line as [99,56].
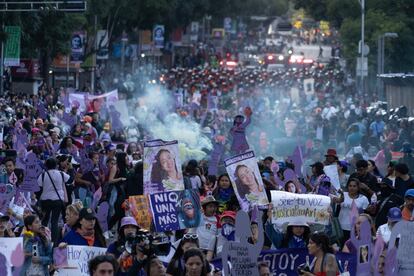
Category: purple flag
[297,159]
[353,215]
[391,262]
[42,110]
[378,248]
[215,158]
[102,215]
[117,125]
[96,197]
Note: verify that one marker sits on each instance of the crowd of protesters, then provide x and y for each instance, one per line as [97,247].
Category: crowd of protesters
[370,145]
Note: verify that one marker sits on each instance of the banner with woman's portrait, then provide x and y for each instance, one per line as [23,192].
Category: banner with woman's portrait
[246,180]
[162,167]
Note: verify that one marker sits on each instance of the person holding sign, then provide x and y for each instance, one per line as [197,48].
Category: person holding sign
[37,249]
[248,186]
[165,171]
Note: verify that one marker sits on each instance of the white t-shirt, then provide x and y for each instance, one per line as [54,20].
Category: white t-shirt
[385,232]
[344,215]
[207,231]
[48,191]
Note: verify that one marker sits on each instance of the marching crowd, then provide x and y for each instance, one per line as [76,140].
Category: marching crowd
[85,156]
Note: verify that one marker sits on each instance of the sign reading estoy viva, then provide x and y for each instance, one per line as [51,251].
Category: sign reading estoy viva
[302,207]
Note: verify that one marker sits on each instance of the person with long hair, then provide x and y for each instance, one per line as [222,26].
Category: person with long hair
[223,192]
[325,262]
[373,169]
[177,264]
[248,186]
[345,202]
[37,248]
[86,231]
[71,217]
[195,263]
[67,146]
[165,172]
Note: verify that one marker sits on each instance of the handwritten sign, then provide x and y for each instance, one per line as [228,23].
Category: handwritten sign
[139,207]
[78,257]
[403,240]
[305,207]
[11,255]
[33,170]
[175,210]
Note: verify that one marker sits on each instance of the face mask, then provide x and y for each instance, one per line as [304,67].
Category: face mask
[227,229]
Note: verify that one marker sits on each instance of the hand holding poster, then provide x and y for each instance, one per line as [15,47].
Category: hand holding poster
[175,210]
[78,257]
[304,207]
[247,182]
[162,167]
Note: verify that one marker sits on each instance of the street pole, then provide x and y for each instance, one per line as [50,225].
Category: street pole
[362,2]
[379,64]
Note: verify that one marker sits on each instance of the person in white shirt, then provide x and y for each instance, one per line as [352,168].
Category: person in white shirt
[345,202]
[53,196]
[394,216]
[208,228]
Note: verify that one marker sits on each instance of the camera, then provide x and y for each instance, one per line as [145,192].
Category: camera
[149,245]
[302,269]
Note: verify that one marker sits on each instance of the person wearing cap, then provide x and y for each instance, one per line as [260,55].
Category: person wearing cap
[86,231]
[226,233]
[330,157]
[296,236]
[208,228]
[369,183]
[394,216]
[126,233]
[5,229]
[408,207]
[387,199]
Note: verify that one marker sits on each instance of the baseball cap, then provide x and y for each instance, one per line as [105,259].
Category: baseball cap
[86,213]
[394,214]
[229,214]
[128,221]
[409,193]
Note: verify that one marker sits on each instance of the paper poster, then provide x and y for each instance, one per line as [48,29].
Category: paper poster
[285,261]
[308,86]
[162,167]
[246,180]
[77,44]
[139,207]
[308,208]
[403,240]
[93,103]
[11,254]
[78,257]
[158,36]
[332,172]
[175,210]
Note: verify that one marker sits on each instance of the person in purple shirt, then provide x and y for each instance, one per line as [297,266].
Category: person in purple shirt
[238,131]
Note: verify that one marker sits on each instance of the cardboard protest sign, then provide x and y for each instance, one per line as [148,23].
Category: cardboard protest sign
[246,180]
[162,167]
[239,257]
[32,172]
[139,207]
[402,239]
[285,261]
[7,192]
[78,257]
[309,208]
[309,86]
[363,245]
[175,210]
[11,255]
[332,172]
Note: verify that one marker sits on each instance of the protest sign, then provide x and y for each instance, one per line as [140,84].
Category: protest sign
[363,245]
[93,103]
[162,167]
[78,257]
[175,210]
[158,36]
[239,257]
[11,254]
[139,207]
[309,86]
[246,180]
[309,208]
[284,262]
[6,194]
[32,172]
[403,240]
[332,172]
[78,42]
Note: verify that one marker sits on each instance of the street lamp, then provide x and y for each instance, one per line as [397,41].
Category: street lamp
[380,59]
